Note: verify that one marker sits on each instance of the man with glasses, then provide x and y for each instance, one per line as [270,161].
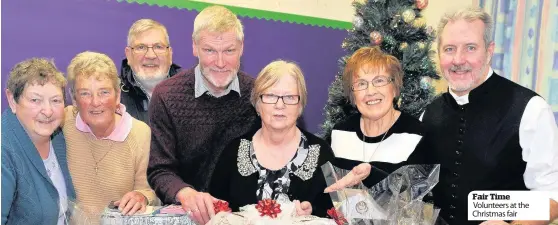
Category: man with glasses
[148,62]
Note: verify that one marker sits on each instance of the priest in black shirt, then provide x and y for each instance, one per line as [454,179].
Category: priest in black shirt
[488,133]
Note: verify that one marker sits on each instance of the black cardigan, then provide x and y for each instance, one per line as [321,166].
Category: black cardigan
[228,184]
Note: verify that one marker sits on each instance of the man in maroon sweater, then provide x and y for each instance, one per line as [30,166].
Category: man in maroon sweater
[195,113]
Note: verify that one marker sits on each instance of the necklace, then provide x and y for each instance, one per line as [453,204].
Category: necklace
[379,143]
[375,150]
[97,162]
[361,206]
[51,167]
[50,162]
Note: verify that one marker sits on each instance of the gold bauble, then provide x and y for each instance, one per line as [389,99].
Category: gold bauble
[408,15]
[419,22]
[403,45]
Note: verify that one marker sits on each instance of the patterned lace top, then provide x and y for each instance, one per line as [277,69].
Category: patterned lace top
[274,184]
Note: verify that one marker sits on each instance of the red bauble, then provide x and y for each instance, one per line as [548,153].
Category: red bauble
[375,38]
[268,207]
[337,216]
[421,4]
[221,206]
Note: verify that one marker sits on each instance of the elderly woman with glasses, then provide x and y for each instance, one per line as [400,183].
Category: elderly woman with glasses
[379,134]
[36,183]
[108,150]
[279,160]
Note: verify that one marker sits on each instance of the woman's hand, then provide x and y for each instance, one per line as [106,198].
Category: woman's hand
[354,177]
[303,208]
[131,203]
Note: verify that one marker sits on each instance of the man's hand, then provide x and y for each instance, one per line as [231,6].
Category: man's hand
[357,174]
[131,203]
[303,208]
[199,204]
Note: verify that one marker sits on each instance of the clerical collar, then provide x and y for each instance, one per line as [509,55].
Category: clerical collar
[200,87]
[462,100]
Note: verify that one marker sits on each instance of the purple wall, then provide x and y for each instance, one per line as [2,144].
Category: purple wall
[60,29]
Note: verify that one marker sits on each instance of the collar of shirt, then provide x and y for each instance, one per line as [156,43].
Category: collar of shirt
[200,88]
[147,85]
[462,100]
[119,133]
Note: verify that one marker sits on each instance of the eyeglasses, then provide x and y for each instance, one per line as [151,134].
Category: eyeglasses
[378,81]
[287,99]
[158,49]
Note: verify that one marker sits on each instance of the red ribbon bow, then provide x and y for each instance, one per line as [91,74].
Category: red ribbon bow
[221,206]
[268,207]
[337,216]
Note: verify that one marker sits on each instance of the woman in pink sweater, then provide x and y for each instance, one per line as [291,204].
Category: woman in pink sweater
[108,150]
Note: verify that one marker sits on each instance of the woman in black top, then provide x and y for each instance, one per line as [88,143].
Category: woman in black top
[277,161]
[379,134]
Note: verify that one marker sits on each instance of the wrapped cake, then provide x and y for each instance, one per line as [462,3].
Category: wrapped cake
[167,215]
[395,200]
[267,212]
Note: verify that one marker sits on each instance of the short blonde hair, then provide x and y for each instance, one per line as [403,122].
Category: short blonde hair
[468,14]
[374,58]
[87,64]
[34,71]
[217,19]
[144,25]
[271,74]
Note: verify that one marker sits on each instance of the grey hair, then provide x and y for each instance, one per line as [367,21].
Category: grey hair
[469,14]
[144,25]
[217,19]
[34,71]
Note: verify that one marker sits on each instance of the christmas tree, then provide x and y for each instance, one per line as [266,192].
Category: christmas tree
[398,28]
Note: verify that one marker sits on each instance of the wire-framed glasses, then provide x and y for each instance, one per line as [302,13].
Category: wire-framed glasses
[378,81]
[158,49]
